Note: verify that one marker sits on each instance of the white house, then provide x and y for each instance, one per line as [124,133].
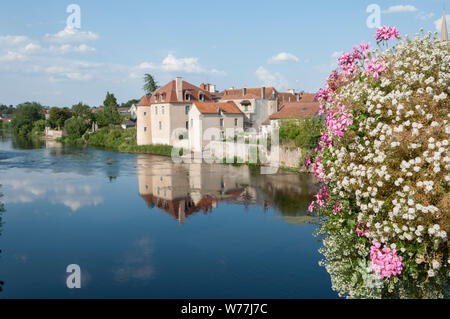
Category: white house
[210,118]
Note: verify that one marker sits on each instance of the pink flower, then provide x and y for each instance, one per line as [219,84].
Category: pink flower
[385,262]
[311,207]
[386,33]
[364,47]
[375,67]
[337,208]
[323,196]
[307,161]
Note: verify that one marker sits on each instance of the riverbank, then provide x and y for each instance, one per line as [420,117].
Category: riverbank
[124,141]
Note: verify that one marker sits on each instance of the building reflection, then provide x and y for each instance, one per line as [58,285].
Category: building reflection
[182,190]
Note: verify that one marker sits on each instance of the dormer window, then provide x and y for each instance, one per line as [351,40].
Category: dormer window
[163,97]
[201,97]
[188,97]
[156,98]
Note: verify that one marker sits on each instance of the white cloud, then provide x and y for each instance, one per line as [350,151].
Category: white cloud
[400,8]
[10,40]
[282,58]
[173,64]
[11,56]
[271,79]
[438,22]
[68,48]
[424,15]
[71,35]
[337,54]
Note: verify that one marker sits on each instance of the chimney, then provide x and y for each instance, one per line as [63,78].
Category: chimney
[298,97]
[292,91]
[263,93]
[212,88]
[179,88]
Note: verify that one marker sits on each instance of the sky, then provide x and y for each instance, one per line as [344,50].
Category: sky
[46,56]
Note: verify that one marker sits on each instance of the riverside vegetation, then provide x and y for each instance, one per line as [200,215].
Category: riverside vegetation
[383,162]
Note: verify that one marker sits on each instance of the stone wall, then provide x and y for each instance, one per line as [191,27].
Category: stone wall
[290,158]
[52,134]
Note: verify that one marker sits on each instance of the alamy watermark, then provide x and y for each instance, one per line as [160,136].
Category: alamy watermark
[228,146]
[74,279]
[74,20]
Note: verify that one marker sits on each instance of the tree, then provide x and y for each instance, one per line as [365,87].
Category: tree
[150,85]
[83,111]
[75,127]
[57,117]
[99,118]
[110,109]
[129,103]
[6,110]
[24,117]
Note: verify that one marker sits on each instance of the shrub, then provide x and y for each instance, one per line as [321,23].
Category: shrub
[383,162]
[24,117]
[75,127]
[303,132]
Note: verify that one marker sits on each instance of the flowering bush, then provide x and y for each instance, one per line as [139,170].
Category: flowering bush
[383,162]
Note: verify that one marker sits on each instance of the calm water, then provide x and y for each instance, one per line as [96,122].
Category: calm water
[141,226]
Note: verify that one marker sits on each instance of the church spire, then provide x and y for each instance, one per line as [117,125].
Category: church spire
[444,31]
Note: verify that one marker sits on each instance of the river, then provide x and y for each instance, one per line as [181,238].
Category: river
[140,226]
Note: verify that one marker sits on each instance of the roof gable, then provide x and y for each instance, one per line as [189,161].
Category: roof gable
[213,108]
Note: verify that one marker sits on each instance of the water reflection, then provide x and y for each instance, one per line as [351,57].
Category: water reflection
[182,190]
[2,209]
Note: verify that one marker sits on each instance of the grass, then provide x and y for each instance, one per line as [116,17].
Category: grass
[120,140]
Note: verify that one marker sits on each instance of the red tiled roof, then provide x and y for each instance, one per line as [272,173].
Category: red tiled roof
[169,90]
[308,98]
[251,93]
[286,97]
[294,109]
[145,101]
[213,108]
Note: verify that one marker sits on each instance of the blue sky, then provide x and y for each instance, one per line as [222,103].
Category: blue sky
[287,44]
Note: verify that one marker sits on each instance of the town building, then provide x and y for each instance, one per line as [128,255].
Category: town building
[258,103]
[167,110]
[444,30]
[220,116]
[290,110]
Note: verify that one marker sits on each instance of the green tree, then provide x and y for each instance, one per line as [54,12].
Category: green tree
[110,109]
[83,111]
[24,117]
[129,103]
[150,85]
[75,127]
[58,116]
[6,110]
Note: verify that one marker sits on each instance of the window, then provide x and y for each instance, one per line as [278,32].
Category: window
[145,129]
[187,125]
[201,97]
[186,109]
[246,108]
[221,122]
[160,125]
[156,98]
[162,109]
[145,113]
[163,97]
[235,122]
[188,97]
[156,110]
